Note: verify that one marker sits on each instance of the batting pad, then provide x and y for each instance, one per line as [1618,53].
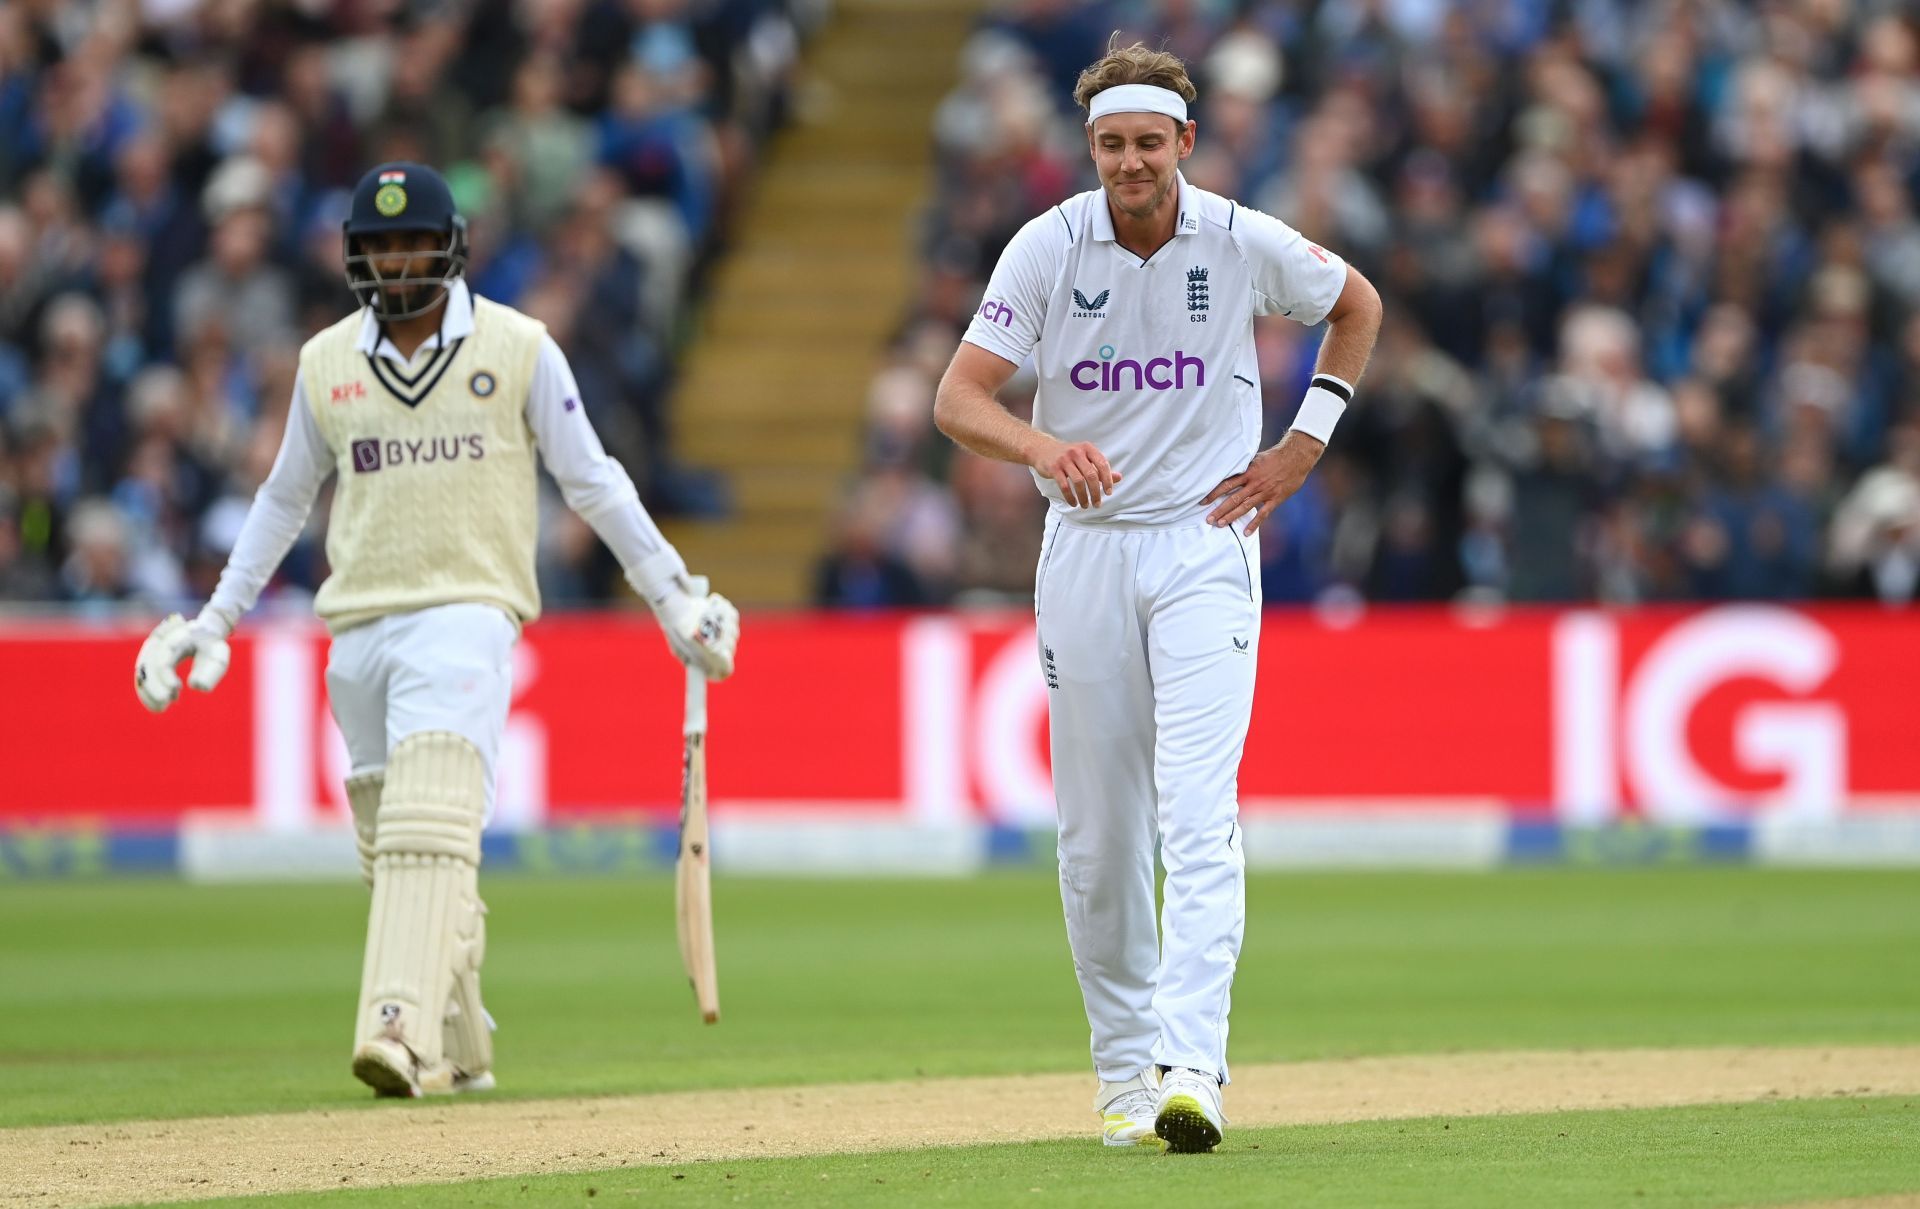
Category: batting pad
[424,934]
[363,797]
[469,1033]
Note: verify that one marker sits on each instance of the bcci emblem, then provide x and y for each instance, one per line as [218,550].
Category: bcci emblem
[1196,289]
[481,384]
[390,200]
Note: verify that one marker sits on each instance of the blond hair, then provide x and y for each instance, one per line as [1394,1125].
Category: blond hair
[1136,64]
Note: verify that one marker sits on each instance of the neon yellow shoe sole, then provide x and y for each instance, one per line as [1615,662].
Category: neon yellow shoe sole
[1185,1128]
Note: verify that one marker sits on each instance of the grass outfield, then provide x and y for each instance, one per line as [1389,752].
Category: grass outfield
[1742,1155]
[154,999]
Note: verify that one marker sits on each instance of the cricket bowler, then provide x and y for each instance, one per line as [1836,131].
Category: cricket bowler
[1135,303]
[428,403]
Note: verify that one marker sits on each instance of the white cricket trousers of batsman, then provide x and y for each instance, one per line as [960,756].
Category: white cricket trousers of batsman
[1148,640]
[447,668]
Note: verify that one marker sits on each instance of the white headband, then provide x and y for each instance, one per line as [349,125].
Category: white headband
[1137,98]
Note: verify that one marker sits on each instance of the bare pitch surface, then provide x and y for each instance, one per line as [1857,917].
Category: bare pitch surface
[441,1142]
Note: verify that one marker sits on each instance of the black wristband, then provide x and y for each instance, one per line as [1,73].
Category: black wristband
[1333,386]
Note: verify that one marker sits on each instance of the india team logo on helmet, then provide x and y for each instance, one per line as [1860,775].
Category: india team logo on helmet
[391,200]
[391,197]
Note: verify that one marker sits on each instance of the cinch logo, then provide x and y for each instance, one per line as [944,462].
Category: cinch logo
[995,311]
[370,455]
[1128,374]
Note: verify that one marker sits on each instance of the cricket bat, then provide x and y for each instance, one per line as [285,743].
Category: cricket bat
[693,886]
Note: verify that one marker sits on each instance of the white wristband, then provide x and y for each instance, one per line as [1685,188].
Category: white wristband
[1325,402]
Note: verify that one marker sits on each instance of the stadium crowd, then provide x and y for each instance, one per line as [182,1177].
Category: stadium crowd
[1652,275]
[173,175]
[1652,271]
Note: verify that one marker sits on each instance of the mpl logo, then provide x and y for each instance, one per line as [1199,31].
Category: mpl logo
[1110,375]
[1681,732]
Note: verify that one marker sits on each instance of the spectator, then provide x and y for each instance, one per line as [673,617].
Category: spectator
[859,572]
[1750,538]
[237,290]
[1556,502]
[549,147]
[96,569]
[1874,544]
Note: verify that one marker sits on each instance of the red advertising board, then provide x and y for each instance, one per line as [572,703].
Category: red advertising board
[1681,717]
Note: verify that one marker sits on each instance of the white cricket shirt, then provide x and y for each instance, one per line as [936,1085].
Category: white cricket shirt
[1152,361]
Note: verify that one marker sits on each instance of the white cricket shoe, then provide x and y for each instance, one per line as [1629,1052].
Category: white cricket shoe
[464,1082]
[391,1069]
[388,1067]
[1189,1119]
[1127,1109]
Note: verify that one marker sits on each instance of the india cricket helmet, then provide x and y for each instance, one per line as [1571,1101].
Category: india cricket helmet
[404,197]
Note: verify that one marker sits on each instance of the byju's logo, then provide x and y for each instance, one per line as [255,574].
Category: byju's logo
[1127,374]
[995,311]
[370,455]
[1083,308]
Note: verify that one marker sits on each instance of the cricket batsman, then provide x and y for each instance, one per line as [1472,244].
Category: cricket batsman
[1135,302]
[429,404]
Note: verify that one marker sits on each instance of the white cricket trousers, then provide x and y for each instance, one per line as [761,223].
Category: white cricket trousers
[449,667]
[1148,640]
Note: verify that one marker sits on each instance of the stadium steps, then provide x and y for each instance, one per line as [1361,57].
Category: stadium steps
[773,389]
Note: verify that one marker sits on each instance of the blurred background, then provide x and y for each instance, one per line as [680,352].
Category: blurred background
[1651,273]
[1651,361]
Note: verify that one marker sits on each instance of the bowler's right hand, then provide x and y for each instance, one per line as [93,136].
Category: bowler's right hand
[155,677]
[1080,471]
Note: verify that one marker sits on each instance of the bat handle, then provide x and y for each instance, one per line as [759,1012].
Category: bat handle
[696,715]
[696,720]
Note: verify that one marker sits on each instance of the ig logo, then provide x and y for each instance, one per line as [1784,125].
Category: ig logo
[1616,726]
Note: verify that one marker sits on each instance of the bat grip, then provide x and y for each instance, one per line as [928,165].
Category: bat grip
[696,715]
[696,721]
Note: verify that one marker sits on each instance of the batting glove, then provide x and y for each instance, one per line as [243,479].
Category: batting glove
[703,629]
[154,676]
